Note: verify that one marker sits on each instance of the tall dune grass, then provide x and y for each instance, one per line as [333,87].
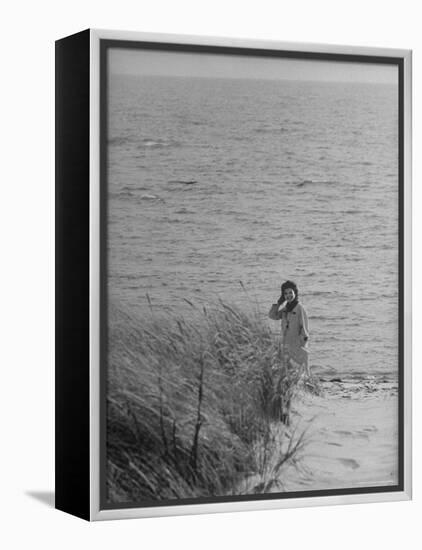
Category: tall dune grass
[189,399]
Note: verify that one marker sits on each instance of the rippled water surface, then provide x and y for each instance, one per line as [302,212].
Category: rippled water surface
[216,181]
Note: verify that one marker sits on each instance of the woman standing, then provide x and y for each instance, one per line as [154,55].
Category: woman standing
[294,326]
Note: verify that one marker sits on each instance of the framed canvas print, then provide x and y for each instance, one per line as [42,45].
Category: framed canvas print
[233,292]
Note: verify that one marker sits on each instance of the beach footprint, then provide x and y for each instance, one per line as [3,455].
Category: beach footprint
[343,432]
[349,463]
[362,434]
[370,429]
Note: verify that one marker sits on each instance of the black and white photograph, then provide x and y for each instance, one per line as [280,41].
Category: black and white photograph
[251,275]
[210,334]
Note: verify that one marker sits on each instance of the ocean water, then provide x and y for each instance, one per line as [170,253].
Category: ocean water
[216,181]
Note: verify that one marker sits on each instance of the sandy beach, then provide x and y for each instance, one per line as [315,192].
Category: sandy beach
[350,438]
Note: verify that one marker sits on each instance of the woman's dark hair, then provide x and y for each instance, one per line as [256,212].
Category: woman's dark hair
[285,286]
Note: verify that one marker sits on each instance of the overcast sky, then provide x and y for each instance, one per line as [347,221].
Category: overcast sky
[148,62]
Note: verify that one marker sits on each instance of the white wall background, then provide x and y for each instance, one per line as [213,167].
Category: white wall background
[27,270]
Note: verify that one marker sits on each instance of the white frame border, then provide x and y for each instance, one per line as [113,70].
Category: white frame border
[156,511]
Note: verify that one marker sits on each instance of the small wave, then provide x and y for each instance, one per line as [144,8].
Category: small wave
[183,182]
[375,374]
[302,183]
[149,197]
[184,211]
[122,195]
[213,190]
[326,318]
[131,193]
[157,143]
[371,297]
[265,130]
[176,220]
[190,121]
[133,276]
[128,189]
[119,140]
[322,293]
